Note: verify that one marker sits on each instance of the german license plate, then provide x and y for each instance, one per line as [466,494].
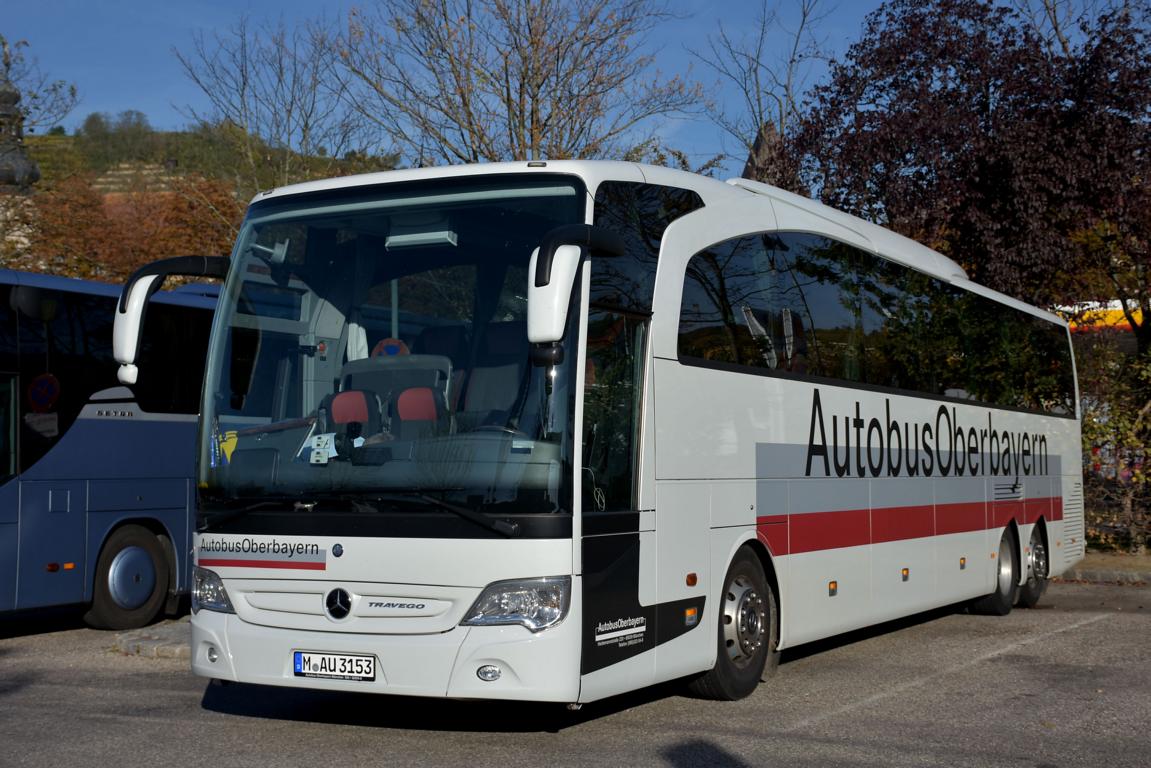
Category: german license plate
[339,666]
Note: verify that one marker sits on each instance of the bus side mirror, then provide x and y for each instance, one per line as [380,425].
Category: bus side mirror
[551,276]
[548,303]
[140,286]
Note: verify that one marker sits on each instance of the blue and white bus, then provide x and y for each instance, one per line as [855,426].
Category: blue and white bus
[96,485]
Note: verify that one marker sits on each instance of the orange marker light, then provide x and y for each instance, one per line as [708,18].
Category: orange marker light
[905,573]
[962,563]
[832,588]
[69,566]
[690,617]
[692,580]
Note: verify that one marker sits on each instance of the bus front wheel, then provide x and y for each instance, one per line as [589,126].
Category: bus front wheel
[131,580]
[999,602]
[748,633]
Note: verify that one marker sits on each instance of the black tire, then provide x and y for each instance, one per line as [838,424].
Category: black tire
[131,580]
[999,602]
[747,633]
[1039,567]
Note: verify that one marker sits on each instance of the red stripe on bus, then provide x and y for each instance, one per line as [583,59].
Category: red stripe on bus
[896,523]
[1003,512]
[773,533]
[963,517]
[301,566]
[813,531]
[817,531]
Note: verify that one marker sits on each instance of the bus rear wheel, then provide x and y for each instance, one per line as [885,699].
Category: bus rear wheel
[748,633]
[131,580]
[1037,571]
[999,602]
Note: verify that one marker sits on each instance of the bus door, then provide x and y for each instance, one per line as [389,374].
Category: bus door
[706,449]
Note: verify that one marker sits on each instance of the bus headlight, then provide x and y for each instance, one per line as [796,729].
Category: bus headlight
[534,603]
[208,592]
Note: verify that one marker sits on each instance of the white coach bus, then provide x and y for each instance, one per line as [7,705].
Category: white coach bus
[558,430]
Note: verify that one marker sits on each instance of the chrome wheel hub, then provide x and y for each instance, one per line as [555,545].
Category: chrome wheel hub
[744,621]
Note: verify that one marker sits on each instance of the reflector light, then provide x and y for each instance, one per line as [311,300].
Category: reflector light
[692,579]
[52,567]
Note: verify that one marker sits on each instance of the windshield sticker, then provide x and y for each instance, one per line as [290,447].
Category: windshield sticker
[257,553]
[323,448]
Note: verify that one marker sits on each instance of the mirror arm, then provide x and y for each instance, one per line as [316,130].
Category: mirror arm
[596,239]
[128,328]
[191,266]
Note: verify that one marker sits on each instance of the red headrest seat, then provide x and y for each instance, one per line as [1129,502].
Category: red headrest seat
[351,407]
[417,404]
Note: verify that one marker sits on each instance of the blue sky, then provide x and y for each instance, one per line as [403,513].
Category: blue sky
[119,53]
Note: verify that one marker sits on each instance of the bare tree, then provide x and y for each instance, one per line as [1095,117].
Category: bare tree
[277,95]
[487,80]
[769,69]
[45,102]
[1058,21]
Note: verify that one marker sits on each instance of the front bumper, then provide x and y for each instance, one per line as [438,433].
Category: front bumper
[535,667]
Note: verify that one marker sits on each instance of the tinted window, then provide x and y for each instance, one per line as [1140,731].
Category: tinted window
[640,213]
[171,358]
[65,356]
[804,304]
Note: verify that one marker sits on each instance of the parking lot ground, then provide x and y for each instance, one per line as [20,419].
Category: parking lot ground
[1067,684]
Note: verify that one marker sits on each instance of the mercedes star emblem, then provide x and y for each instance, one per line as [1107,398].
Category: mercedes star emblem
[338,603]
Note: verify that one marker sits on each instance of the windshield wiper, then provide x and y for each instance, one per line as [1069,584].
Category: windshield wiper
[208,519]
[505,527]
[502,527]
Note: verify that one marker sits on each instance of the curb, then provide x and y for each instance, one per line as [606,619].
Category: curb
[166,640]
[1094,576]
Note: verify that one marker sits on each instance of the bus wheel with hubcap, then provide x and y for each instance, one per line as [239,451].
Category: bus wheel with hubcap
[999,602]
[747,635]
[131,580]
[1038,568]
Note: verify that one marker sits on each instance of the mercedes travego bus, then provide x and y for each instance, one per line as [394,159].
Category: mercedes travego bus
[558,430]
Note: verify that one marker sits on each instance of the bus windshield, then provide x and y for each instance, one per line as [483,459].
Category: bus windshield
[371,359]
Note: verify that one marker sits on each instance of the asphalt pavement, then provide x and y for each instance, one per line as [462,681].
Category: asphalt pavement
[172,639]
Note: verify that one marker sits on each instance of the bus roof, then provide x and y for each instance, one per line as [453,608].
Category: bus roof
[888,244]
[200,295]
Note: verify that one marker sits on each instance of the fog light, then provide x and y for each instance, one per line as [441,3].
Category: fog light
[213,654]
[489,673]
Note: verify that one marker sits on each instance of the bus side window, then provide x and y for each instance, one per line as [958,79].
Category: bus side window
[65,356]
[613,386]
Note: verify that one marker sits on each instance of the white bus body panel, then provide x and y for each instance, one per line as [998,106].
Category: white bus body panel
[853,550]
